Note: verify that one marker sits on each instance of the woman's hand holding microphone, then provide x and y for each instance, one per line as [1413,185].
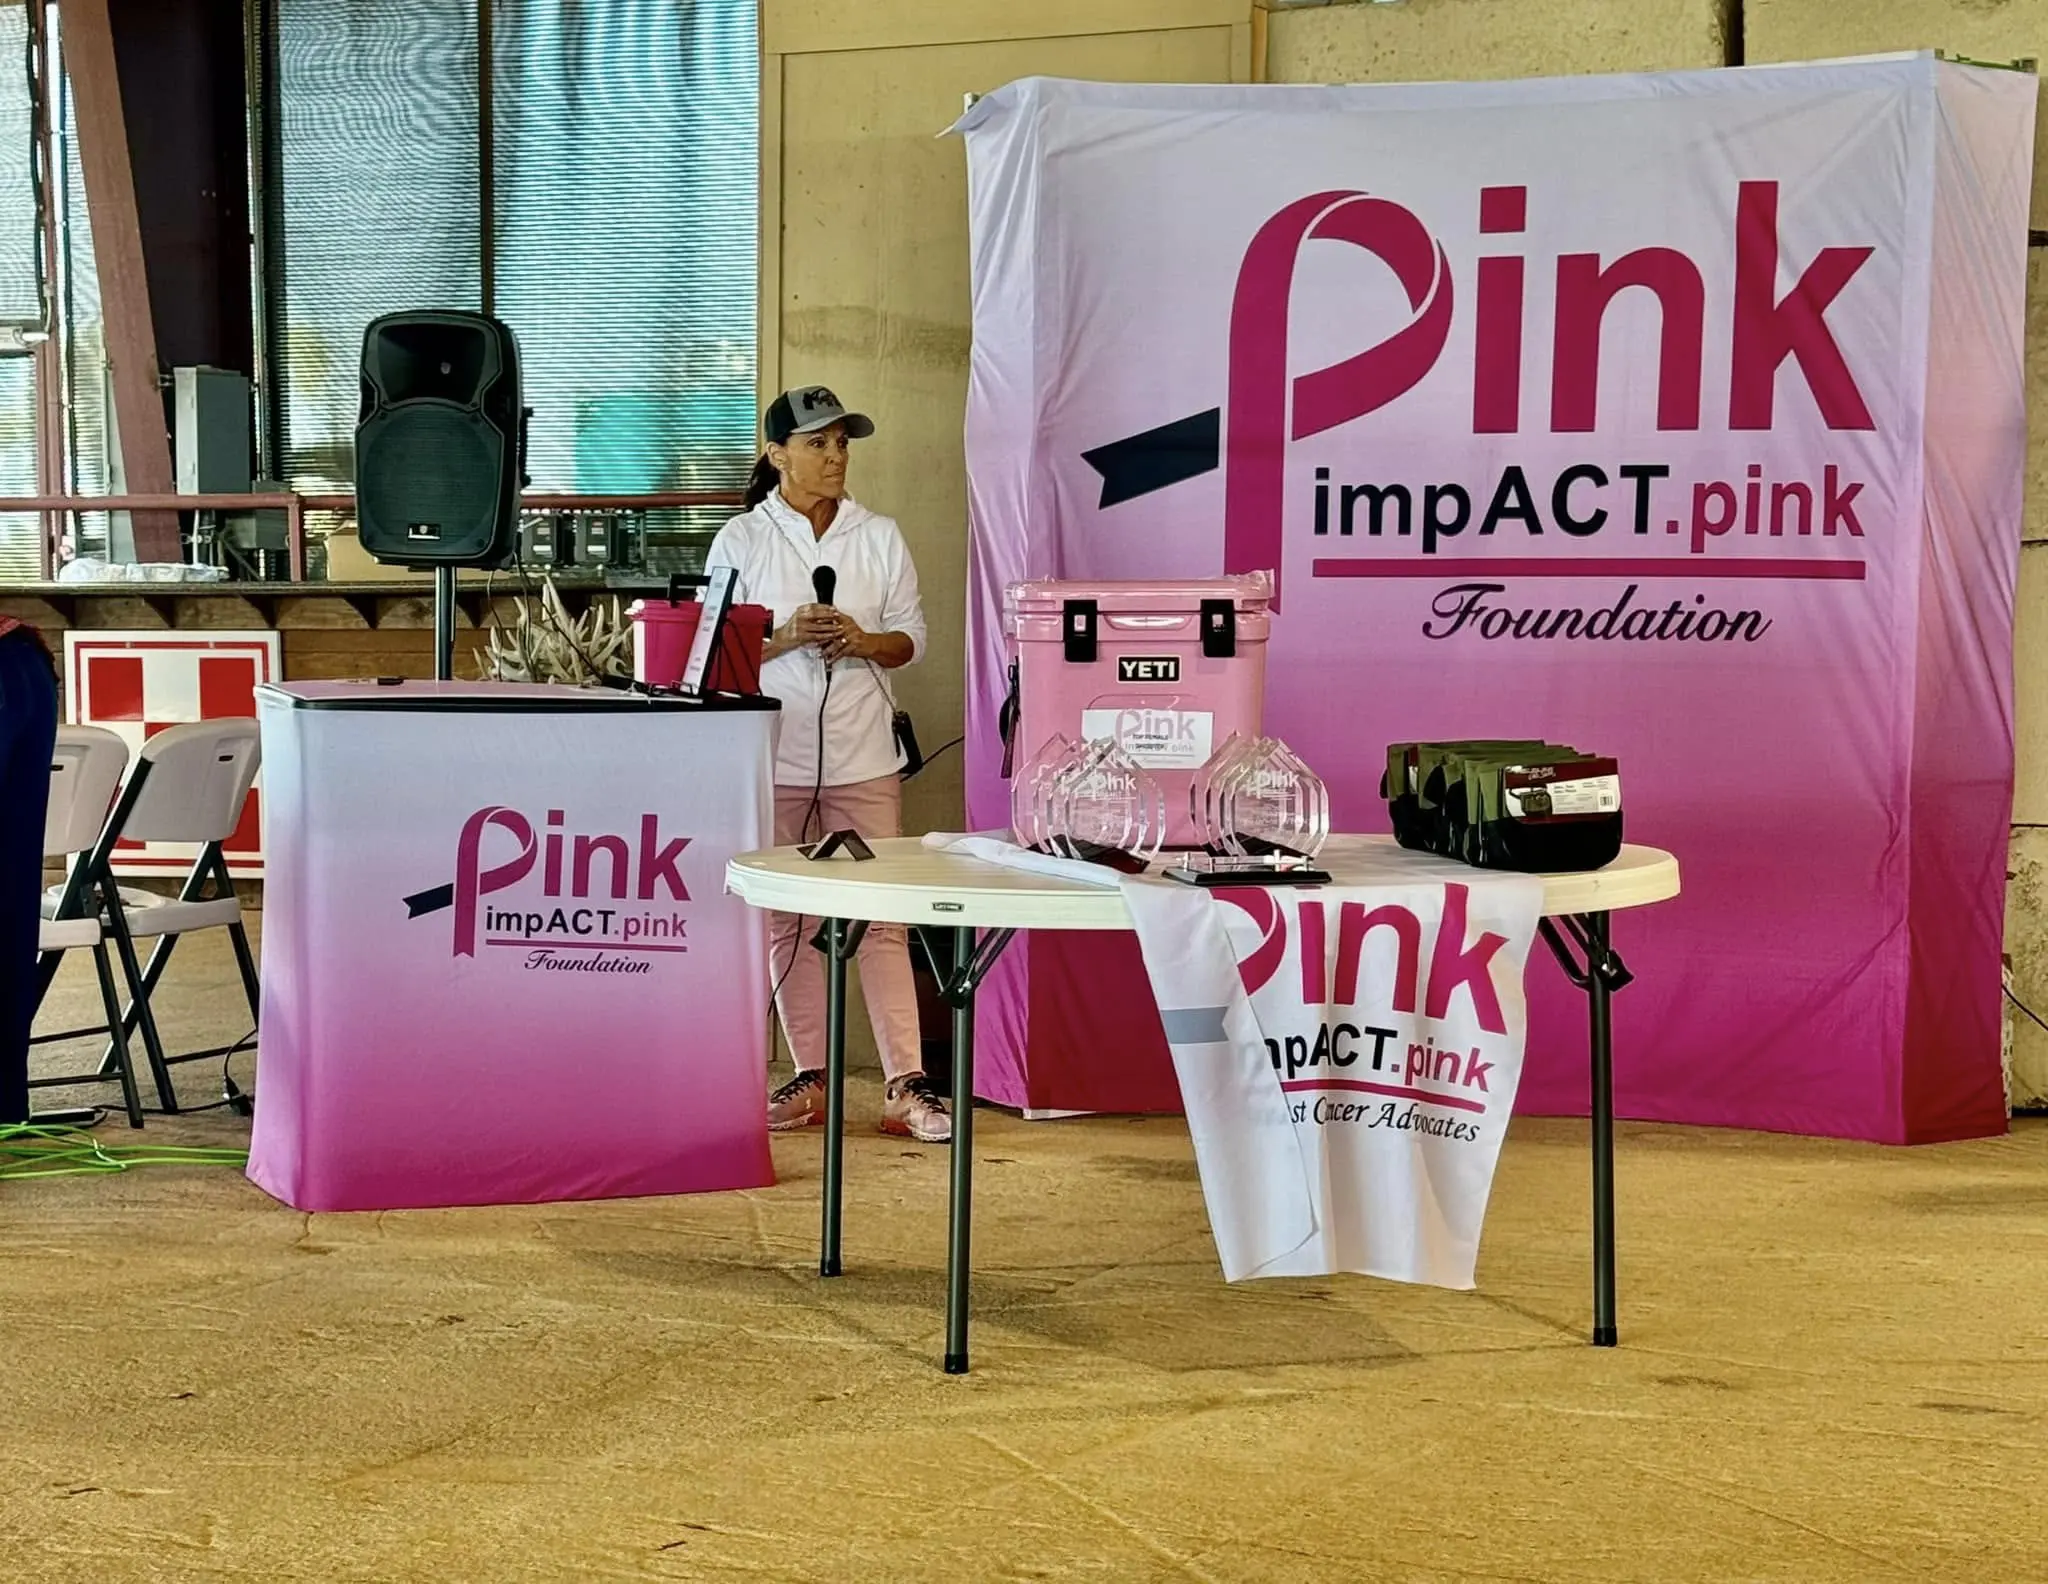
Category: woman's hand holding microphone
[829,630]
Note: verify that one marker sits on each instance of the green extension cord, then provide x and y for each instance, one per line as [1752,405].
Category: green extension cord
[27,1151]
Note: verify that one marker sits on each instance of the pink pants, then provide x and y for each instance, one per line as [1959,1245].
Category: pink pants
[875,809]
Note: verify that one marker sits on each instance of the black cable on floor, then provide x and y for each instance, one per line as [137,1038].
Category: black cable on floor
[2030,1012]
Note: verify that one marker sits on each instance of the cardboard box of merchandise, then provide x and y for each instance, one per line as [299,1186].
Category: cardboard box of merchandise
[349,562]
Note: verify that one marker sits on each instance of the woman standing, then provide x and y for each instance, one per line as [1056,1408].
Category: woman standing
[28,737]
[836,766]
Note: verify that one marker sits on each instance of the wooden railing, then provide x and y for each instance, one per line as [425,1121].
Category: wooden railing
[295,507]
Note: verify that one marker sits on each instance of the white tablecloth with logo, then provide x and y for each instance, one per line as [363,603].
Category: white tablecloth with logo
[499,964]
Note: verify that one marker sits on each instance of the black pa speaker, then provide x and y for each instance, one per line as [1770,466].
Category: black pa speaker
[440,442]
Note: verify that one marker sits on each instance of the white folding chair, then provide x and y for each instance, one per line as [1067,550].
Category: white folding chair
[189,784]
[85,772]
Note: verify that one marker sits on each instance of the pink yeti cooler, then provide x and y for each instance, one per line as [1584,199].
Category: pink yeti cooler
[1169,668]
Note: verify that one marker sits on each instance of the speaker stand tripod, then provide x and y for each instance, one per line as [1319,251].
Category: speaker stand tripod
[444,624]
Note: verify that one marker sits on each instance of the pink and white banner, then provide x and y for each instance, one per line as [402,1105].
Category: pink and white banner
[1348,1058]
[499,963]
[1677,417]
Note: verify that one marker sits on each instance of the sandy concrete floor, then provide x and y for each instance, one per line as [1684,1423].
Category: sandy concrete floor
[1834,1367]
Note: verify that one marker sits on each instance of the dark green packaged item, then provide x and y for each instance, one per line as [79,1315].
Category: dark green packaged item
[1468,775]
[1524,805]
[1554,819]
[1538,813]
[1415,787]
[1541,812]
[1442,767]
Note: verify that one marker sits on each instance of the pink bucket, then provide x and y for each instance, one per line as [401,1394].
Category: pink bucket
[662,634]
[663,631]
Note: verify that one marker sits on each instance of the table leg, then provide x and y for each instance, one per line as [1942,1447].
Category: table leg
[1599,974]
[1600,993]
[835,1090]
[960,1213]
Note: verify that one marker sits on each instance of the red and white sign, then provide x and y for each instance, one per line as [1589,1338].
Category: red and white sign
[137,683]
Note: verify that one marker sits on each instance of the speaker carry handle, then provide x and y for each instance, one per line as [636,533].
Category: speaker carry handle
[525,426]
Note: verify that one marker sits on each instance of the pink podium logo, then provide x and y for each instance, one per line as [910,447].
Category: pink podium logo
[498,851]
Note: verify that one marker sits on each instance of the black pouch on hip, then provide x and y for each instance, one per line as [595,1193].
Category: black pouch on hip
[906,743]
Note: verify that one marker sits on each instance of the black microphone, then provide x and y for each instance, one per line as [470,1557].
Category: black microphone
[824,583]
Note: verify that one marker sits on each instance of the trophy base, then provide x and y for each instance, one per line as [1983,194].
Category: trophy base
[1216,869]
[1092,852]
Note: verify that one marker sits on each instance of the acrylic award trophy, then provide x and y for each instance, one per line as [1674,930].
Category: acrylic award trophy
[1262,816]
[1088,801]
[1031,796]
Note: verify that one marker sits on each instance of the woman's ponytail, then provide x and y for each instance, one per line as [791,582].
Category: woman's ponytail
[761,482]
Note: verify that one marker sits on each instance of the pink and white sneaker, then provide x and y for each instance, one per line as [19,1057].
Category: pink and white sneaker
[911,1108]
[800,1103]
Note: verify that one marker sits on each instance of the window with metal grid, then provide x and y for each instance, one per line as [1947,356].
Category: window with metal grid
[621,246]
[71,315]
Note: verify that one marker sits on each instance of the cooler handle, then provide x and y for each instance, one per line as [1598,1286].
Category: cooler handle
[678,581]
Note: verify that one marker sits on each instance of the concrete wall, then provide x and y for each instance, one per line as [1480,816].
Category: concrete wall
[1443,40]
[864,245]
[864,253]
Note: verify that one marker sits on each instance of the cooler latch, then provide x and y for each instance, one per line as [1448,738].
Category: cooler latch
[1219,628]
[1077,631]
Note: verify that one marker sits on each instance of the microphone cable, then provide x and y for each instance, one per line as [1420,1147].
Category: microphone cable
[824,584]
[804,835]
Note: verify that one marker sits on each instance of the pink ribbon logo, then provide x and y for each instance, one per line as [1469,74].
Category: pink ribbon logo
[1265,409]
[1265,911]
[470,884]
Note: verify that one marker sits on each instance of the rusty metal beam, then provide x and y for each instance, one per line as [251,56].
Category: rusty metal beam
[532,501]
[124,281]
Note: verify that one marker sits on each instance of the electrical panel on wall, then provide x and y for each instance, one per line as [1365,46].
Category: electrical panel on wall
[210,426]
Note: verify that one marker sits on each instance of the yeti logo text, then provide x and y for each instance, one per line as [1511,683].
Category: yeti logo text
[1265,409]
[654,864]
[1148,668]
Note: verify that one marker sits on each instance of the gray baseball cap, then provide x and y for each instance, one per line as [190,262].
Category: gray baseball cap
[810,407]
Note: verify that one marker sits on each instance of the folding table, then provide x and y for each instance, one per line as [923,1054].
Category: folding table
[966,911]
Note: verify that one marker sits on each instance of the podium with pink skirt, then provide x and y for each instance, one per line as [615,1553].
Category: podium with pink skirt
[499,965]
